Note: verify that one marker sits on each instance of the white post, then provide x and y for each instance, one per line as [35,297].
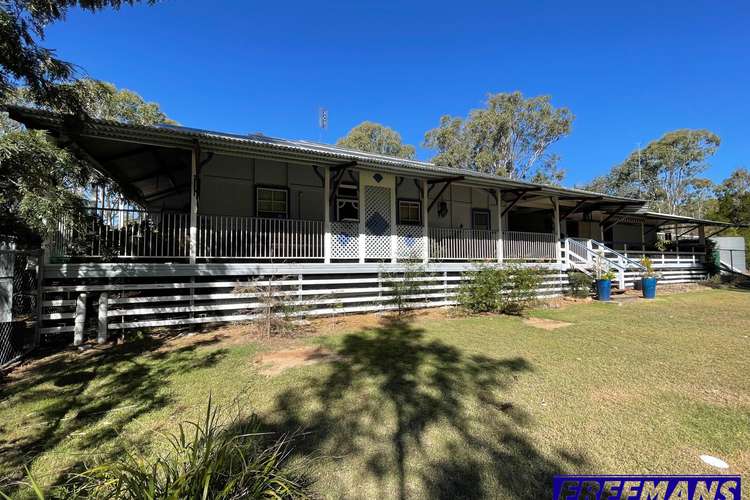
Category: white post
[102,334]
[327,216]
[394,220]
[643,238]
[362,241]
[425,222]
[193,207]
[80,320]
[499,250]
[556,211]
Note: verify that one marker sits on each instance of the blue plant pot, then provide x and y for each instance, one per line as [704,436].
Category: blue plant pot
[648,285]
[603,289]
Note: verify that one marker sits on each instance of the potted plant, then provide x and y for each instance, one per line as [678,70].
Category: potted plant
[648,279]
[603,279]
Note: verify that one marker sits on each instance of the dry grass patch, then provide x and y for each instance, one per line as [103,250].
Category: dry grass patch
[545,324]
[273,363]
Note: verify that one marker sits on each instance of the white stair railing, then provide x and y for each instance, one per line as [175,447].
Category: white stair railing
[587,255]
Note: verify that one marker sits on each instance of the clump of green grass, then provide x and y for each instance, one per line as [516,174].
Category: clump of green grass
[205,460]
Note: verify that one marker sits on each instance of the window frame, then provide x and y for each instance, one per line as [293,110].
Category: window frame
[418,202]
[271,187]
[482,211]
[354,200]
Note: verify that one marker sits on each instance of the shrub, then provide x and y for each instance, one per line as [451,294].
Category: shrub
[507,290]
[402,286]
[277,309]
[206,460]
[580,284]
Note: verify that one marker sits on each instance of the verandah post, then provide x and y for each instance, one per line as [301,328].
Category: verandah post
[558,248]
[327,216]
[80,320]
[102,333]
[499,249]
[194,205]
[425,222]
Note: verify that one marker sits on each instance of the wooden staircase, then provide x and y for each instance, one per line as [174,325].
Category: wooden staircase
[591,257]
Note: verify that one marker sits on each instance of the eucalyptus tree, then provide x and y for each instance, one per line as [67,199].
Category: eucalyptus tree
[666,172]
[24,62]
[509,137]
[41,183]
[370,137]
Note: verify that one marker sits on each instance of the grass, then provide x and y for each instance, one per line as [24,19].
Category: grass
[434,408]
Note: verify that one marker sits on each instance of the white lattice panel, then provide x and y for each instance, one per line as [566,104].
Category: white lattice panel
[344,240]
[410,243]
[377,222]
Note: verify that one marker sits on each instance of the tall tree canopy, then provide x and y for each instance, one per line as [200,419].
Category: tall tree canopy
[23,62]
[371,137]
[510,137]
[41,183]
[733,197]
[666,172]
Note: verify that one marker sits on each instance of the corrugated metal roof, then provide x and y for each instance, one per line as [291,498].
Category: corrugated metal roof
[184,137]
[178,136]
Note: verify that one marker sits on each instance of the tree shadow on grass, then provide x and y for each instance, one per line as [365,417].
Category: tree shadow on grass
[89,397]
[423,418]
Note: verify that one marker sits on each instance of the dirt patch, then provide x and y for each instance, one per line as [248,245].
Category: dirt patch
[273,363]
[545,324]
[353,322]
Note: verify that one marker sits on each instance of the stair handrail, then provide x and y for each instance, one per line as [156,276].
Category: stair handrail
[633,263]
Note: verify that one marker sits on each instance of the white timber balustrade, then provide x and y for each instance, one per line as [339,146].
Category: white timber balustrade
[124,233]
[462,244]
[227,237]
[529,246]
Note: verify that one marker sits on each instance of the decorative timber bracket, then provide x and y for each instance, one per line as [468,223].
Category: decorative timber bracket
[447,182]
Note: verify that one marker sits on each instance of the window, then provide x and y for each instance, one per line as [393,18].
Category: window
[347,203]
[271,202]
[480,219]
[409,212]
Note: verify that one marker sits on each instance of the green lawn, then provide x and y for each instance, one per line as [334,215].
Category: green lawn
[433,408]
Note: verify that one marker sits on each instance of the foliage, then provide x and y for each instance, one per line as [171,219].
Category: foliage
[402,286]
[23,61]
[41,183]
[649,271]
[580,284]
[277,307]
[600,272]
[206,460]
[371,137]
[666,172]
[509,289]
[733,205]
[509,137]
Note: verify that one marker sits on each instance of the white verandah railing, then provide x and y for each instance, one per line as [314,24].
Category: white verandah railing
[138,234]
[124,233]
[227,237]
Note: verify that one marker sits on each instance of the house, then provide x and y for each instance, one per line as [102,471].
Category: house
[325,223]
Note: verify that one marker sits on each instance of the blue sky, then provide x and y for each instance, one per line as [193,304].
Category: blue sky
[629,71]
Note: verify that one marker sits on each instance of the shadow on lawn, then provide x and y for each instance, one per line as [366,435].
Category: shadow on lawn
[390,386]
[91,396]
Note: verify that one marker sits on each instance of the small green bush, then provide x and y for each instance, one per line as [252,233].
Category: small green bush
[403,286]
[206,460]
[580,284]
[509,289]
